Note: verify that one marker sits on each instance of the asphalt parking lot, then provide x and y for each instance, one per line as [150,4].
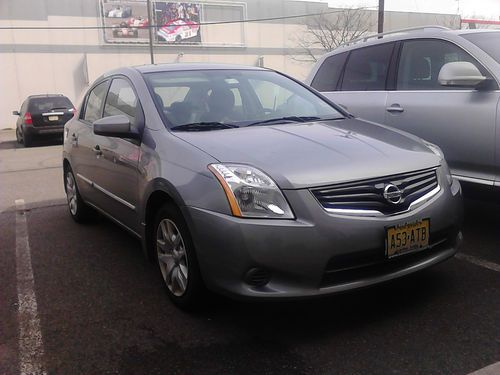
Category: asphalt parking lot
[100,307]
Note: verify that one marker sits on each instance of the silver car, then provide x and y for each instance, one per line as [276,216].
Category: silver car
[248,183]
[438,84]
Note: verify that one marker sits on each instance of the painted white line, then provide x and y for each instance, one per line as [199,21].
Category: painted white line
[30,335]
[479,262]
[493,369]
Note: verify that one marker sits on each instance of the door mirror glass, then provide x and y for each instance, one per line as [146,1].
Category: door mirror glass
[115,126]
[460,74]
[16,113]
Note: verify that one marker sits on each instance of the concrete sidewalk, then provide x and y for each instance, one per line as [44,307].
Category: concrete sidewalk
[33,174]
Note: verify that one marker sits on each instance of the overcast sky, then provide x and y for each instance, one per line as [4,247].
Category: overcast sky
[489,9]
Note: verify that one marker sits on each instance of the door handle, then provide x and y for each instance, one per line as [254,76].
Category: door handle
[74,139]
[395,108]
[97,150]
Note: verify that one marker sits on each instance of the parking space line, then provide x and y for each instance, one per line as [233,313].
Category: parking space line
[479,262]
[30,335]
[493,369]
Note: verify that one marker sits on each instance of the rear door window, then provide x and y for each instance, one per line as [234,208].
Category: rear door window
[327,76]
[367,68]
[95,100]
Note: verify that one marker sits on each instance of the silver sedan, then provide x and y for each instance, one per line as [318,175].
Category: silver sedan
[243,181]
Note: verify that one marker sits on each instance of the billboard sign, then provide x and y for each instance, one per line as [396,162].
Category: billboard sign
[172,22]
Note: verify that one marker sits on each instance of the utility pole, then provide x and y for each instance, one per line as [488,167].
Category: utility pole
[380,16]
[150,29]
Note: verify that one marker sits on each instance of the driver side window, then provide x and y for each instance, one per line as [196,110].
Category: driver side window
[121,100]
[93,107]
[421,61]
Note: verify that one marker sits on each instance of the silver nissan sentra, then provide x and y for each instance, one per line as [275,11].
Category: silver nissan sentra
[243,181]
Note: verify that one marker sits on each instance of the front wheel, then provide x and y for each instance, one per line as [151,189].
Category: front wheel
[177,259]
[79,211]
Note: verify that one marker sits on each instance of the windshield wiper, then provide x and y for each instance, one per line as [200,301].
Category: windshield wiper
[287,118]
[58,108]
[293,119]
[203,126]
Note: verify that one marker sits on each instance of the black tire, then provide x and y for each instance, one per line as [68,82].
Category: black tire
[27,140]
[193,296]
[18,136]
[79,211]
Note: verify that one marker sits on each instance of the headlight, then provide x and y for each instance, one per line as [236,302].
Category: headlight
[250,192]
[444,165]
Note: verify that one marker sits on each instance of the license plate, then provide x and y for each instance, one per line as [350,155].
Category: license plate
[407,238]
[53,118]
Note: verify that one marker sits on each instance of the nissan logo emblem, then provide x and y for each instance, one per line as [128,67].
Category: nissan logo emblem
[392,194]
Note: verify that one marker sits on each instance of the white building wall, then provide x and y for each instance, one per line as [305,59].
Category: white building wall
[67,61]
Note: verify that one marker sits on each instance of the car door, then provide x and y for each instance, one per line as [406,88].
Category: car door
[115,175]
[81,138]
[459,120]
[357,80]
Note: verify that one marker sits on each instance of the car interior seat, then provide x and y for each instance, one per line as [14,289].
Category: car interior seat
[420,73]
[180,113]
[220,104]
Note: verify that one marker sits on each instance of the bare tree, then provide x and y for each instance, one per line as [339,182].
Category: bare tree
[326,32]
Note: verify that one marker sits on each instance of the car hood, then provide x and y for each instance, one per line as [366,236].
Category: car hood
[317,153]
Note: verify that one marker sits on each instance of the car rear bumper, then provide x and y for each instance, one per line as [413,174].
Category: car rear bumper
[43,131]
[318,253]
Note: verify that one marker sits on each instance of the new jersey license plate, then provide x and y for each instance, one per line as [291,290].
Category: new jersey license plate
[53,118]
[407,238]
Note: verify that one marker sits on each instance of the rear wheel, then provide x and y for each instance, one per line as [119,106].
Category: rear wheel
[177,259]
[27,140]
[18,136]
[79,211]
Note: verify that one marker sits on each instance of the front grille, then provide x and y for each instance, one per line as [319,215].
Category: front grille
[368,195]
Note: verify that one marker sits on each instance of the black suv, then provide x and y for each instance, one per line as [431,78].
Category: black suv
[42,116]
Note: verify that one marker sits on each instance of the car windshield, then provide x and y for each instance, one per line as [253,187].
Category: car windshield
[489,42]
[46,104]
[221,99]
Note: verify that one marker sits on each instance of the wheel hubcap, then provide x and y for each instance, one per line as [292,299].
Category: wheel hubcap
[172,257]
[71,193]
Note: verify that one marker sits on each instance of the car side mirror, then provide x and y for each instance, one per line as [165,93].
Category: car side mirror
[118,126]
[16,113]
[460,74]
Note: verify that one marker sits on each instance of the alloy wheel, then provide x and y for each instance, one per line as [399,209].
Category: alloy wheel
[172,257]
[71,193]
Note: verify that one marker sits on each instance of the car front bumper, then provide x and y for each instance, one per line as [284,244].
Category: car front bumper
[318,253]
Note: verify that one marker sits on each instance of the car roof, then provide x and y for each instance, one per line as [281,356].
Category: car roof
[192,66]
[46,96]
[422,32]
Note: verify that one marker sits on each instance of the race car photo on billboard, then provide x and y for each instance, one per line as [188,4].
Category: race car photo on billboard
[139,22]
[123,30]
[179,22]
[119,11]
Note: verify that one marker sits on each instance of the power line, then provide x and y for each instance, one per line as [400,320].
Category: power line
[194,24]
